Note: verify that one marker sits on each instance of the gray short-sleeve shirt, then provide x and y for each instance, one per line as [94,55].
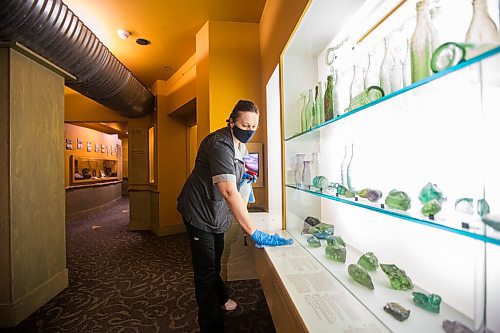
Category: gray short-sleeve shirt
[200,202]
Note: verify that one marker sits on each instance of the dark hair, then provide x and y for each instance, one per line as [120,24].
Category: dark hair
[242,106]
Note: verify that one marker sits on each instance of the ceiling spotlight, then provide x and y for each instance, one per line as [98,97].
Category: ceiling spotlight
[167,68]
[142,41]
[123,34]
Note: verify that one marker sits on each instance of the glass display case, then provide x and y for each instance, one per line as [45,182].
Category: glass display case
[406,173]
[85,170]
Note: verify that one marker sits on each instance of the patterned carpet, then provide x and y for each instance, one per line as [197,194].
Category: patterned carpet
[122,281]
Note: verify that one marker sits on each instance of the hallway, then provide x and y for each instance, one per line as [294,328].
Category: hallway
[123,281]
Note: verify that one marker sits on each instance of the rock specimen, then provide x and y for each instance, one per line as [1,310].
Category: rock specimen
[431,207]
[364,193]
[398,200]
[429,192]
[308,223]
[342,190]
[455,327]
[335,240]
[493,220]
[368,261]
[374,195]
[336,252]
[464,205]
[360,275]
[482,207]
[313,242]
[398,278]
[397,311]
[322,230]
[431,302]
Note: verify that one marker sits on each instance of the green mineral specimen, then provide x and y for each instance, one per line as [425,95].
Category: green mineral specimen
[493,220]
[429,192]
[398,200]
[397,311]
[482,207]
[364,193]
[313,242]
[399,279]
[429,302]
[322,230]
[368,261]
[431,207]
[336,253]
[360,275]
[335,240]
[342,190]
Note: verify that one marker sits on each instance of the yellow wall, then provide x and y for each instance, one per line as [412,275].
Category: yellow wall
[73,133]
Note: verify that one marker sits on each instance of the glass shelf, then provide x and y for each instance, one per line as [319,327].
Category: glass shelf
[431,78]
[362,203]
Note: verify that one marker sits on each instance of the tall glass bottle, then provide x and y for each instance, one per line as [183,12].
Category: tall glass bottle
[407,64]
[358,82]
[482,29]
[329,101]
[434,32]
[309,110]
[336,94]
[421,45]
[306,175]
[320,105]
[372,76]
[299,169]
[387,66]
[302,106]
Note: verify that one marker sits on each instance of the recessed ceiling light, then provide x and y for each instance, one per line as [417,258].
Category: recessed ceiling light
[168,68]
[142,41]
[123,34]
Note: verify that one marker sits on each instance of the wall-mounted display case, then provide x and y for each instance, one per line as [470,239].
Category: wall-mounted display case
[85,170]
[410,175]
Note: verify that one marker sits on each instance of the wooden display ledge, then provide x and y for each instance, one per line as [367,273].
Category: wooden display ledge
[301,294]
[94,182]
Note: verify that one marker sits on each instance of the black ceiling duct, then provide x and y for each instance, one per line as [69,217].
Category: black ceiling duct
[50,29]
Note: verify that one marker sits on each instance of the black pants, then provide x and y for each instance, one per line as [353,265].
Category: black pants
[210,290]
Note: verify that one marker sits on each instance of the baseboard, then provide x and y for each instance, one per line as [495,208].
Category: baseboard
[172,229]
[14,313]
[86,213]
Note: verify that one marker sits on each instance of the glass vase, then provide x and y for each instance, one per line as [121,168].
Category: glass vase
[435,14]
[349,182]
[343,181]
[299,169]
[407,64]
[328,100]
[421,45]
[336,93]
[482,29]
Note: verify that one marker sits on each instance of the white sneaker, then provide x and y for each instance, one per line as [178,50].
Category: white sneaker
[230,305]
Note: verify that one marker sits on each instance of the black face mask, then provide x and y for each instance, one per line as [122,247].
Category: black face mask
[242,135]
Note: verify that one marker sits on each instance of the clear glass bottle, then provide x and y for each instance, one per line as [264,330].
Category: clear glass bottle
[306,175]
[309,110]
[421,45]
[299,169]
[320,104]
[482,29]
[372,77]
[387,66]
[358,83]
[435,14]
[329,100]
[336,93]
[302,109]
[407,64]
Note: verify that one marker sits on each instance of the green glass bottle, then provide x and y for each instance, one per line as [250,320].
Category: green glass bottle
[319,103]
[421,46]
[328,103]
